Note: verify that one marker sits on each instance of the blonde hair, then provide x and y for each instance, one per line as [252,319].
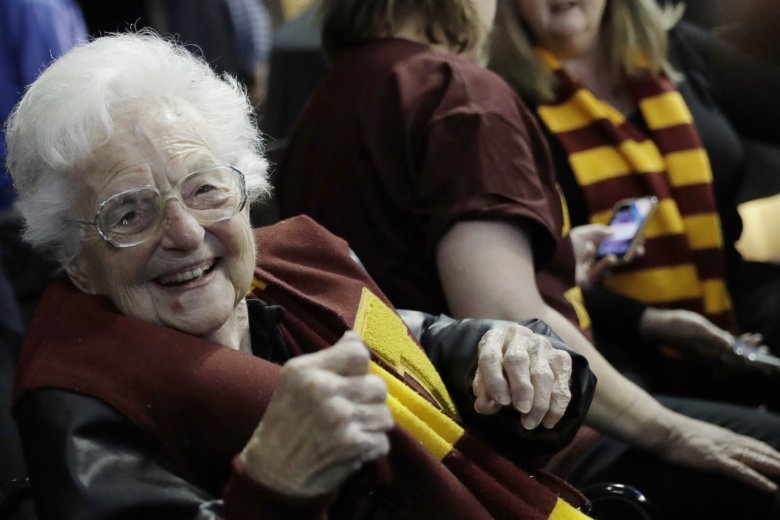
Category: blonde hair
[348,23]
[630,28]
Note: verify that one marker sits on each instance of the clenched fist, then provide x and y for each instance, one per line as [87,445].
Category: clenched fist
[326,419]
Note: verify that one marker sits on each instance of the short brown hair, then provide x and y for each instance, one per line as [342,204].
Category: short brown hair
[348,23]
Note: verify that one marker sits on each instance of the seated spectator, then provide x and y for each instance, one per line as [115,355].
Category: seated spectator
[150,383]
[683,106]
[439,178]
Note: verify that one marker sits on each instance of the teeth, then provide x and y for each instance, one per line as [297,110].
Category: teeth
[185,276]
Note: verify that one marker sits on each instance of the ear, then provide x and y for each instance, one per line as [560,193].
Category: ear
[78,276]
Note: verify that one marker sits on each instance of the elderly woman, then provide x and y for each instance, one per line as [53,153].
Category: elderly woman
[577,65]
[138,394]
[438,176]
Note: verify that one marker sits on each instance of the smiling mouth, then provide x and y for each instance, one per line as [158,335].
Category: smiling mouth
[184,277]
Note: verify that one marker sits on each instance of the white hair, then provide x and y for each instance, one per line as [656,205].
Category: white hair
[70,110]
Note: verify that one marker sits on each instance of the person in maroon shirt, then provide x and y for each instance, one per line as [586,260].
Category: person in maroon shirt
[440,180]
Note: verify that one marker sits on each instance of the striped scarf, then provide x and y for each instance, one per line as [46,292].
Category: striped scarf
[612,160]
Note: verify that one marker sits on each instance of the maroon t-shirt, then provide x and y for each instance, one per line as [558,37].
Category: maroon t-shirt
[398,144]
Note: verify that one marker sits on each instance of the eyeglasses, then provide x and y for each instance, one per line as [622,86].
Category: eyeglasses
[132,217]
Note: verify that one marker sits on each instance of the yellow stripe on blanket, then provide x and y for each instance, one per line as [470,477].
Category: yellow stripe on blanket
[565,511]
[387,336]
[437,432]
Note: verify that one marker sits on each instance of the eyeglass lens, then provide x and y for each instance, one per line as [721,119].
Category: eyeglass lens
[210,195]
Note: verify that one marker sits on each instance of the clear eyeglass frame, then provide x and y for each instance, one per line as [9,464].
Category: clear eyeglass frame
[208,215]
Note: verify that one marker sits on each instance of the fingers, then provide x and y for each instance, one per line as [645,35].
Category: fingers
[748,475]
[326,418]
[760,456]
[706,446]
[348,356]
[369,388]
[484,404]
[561,393]
[521,368]
[600,268]
[753,462]
[490,369]
[753,339]
[590,232]
[350,418]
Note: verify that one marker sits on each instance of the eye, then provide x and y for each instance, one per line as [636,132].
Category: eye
[204,189]
[131,220]
[128,218]
[129,213]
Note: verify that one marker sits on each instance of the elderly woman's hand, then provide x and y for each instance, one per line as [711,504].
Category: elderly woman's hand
[520,368]
[326,419]
[703,445]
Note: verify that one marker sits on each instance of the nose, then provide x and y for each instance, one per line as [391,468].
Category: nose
[179,228]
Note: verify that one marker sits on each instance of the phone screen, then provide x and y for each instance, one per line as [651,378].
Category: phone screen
[626,222]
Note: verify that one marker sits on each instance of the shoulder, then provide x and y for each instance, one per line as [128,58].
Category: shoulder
[296,232]
[460,82]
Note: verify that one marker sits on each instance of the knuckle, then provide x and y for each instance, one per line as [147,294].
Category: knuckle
[544,343]
[489,357]
[518,330]
[336,411]
[564,358]
[560,400]
[490,337]
[542,374]
[374,387]
[515,358]
[386,421]
[295,367]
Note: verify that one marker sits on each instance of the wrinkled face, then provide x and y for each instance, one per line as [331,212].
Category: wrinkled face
[188,276]
[566,27]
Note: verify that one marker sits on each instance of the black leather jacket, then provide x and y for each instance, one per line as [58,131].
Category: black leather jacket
[88,461]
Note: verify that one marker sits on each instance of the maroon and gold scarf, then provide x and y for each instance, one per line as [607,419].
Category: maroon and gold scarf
[612,160]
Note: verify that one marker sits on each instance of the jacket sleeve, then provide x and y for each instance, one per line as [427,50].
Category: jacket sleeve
[87,461]
[451,345]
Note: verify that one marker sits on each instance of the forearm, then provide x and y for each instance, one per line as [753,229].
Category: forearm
[507,290]
[616,398]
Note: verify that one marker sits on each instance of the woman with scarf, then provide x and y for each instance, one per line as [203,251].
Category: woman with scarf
[439,178]
[190,367]
[636,104]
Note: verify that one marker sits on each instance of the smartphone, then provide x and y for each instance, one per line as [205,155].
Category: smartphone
[629,218]
[754,356]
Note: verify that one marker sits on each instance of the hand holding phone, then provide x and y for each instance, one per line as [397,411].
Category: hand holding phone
[628,222]
[754,356]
